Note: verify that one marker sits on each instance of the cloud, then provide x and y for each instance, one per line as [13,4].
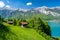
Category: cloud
[29,3]
[2,4]
[7,6]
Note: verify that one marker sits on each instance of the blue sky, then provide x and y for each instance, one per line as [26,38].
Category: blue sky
[27,4]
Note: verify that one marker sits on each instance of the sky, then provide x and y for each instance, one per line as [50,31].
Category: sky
[28,4]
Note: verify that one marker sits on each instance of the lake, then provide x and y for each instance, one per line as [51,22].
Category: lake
[55,28]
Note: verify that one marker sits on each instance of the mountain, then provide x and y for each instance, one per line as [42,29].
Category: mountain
[44,12]
[47,11]
[9,12]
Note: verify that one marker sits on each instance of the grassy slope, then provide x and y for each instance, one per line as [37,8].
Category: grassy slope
[18,33]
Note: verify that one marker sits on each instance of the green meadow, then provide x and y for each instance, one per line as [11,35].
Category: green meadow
[10,32]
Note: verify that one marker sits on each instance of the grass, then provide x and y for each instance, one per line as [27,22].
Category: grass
[10,32]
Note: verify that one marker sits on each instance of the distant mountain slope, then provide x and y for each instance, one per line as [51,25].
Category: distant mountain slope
[9,32]
[46,10]
[53,13]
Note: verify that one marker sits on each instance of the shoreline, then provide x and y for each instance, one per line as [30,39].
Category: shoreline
[53,21]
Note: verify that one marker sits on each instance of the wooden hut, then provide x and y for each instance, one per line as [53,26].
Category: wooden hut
[10,22]
[24,24]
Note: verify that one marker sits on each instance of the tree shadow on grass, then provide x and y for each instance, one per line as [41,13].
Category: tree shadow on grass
[4,31]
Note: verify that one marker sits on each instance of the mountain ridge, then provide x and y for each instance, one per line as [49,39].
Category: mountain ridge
[16,13]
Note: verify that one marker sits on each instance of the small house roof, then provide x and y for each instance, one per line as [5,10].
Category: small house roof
[24,23]
[9,21]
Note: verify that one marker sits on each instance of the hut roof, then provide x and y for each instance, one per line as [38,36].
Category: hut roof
[23,23]
[9,22]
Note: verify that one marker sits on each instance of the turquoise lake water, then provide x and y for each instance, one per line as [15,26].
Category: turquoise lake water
[55,28]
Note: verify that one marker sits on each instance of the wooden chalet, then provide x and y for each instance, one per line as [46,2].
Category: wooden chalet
[10,22]
[24,24]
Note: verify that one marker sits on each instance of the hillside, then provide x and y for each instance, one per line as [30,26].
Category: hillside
[10,32]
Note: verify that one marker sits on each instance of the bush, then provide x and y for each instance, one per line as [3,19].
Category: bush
[37,24]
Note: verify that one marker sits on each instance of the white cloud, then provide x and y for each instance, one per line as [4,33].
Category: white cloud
[29,3]
[7,6]
[2,4]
